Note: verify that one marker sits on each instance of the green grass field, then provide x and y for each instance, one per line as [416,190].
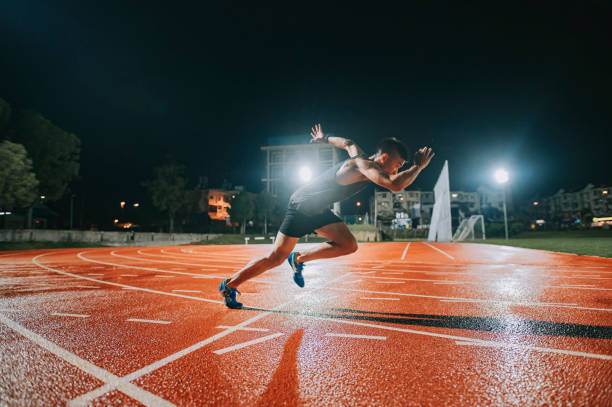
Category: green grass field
[590,243]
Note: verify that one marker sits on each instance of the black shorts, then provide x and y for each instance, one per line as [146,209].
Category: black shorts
[297,224]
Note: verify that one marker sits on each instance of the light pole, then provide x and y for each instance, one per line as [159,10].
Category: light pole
[501,176]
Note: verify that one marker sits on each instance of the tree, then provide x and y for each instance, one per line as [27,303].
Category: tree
[264,207]
[17,180]
[168,190]
[241,210]
[55,152]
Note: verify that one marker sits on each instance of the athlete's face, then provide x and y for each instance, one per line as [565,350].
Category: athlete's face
[392,162]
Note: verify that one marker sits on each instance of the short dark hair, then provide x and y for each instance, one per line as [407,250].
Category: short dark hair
[390,145]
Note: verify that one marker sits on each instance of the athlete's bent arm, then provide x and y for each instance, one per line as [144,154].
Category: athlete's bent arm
[399,181]
[339,142]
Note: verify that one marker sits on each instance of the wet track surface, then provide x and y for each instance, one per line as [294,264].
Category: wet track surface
[393,324]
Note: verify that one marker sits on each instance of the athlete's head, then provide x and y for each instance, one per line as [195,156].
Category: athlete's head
[391,154]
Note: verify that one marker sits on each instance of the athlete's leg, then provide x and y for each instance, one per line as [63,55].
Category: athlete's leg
[283,245]
[341,242]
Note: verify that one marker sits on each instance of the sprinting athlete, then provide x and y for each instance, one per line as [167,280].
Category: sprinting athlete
[309,211]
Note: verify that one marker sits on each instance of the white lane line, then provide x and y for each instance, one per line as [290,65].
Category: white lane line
[244,328]
[85,399]
[124,286]
[114,253]
[466,339]
[95,274]
[162,276]
[61,314]
[405,251]
[389,282]
[148,321]
[248,343]
[130,389]
[439,250]
[475,300]
[381,338]
[393,272]
[379,298]
[80,256]
[186,291]
[86,286]
[128,275]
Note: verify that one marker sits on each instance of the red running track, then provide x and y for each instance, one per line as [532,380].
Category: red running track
[393,324]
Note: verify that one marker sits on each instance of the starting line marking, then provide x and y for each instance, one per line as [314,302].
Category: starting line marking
[248,343]
[61,314]
[381,338]
[149,321]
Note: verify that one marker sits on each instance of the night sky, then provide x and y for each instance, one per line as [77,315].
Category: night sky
[528,88]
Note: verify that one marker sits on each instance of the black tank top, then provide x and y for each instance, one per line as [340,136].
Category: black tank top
[316,196]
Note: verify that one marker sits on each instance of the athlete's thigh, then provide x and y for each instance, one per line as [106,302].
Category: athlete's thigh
[337,232]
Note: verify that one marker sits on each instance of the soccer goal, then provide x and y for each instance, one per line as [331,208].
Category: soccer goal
[466,228]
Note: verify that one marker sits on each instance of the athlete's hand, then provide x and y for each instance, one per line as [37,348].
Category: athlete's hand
[317,134]
[422,157]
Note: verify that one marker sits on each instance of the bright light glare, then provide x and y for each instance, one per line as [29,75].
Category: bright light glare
[501,176]
[305,174]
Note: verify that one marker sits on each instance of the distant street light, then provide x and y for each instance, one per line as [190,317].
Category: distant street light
[42,197]
[136,205]
[501,176]
[358,203]
[122,204]
[536,203]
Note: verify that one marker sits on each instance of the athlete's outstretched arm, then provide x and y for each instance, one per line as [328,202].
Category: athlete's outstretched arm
[339,142]
[399,181]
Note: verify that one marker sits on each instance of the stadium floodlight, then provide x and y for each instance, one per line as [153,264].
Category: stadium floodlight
[305,174]
[501,176]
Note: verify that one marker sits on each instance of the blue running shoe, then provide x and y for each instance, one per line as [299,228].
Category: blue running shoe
[297,269]
[229,295]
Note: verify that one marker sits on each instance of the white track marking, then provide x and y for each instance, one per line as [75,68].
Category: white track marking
[86,286]
[128,275]
[80,256]
[148,321]
[60,314]
[449,282]
[439,250]
[162,276]
[114,253]
[466,339]
[248,343]
[88,397]
[379,298]
[95,274]
[405,251]
[124,286]
[394,272]
[244,328]
[389,282]
[130,389]
[186,291]
[476,300]
[381,338]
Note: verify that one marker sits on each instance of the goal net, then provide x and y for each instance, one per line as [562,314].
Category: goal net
[466,228]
